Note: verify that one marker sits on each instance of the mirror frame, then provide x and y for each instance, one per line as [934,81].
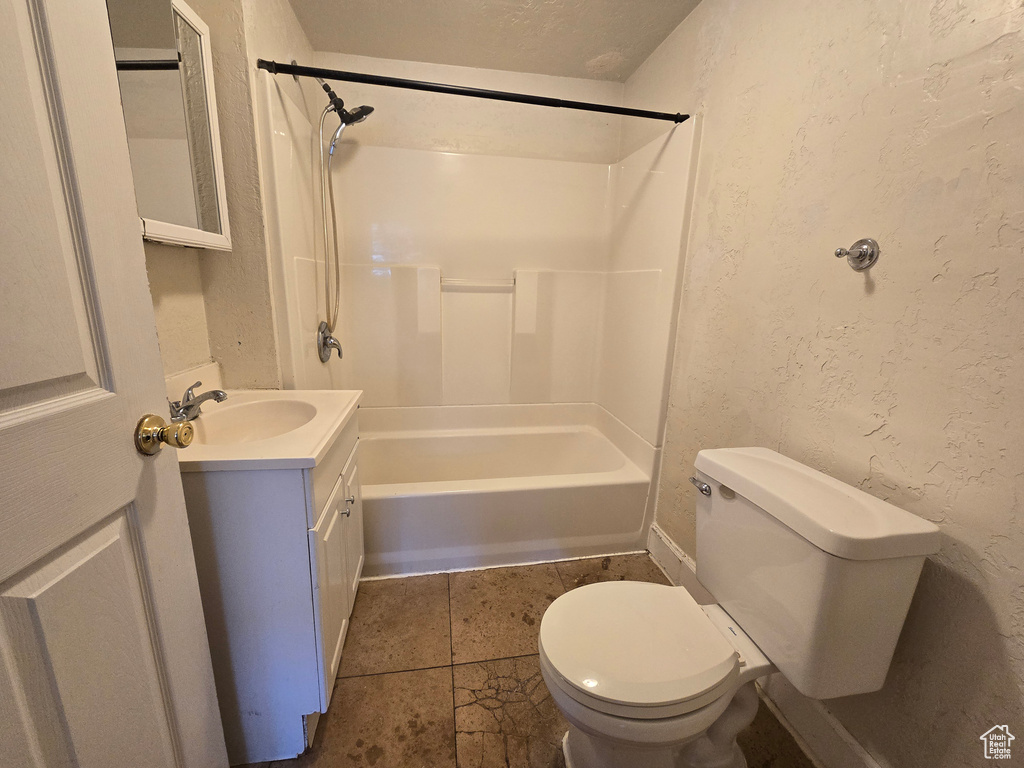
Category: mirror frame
[177,234]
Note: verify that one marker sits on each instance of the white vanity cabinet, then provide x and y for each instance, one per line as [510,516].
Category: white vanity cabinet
[336,552]
[279,551]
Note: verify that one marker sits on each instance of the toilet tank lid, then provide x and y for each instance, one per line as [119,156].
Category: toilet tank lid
[835,517]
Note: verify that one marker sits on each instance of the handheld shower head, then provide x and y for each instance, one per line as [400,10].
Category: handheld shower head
[332,268]
[347,118]
[357,115]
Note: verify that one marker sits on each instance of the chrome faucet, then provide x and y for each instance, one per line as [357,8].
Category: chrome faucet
[188,407]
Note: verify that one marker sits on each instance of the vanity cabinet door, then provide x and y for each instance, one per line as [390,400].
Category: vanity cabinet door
[353,531]
[327,544]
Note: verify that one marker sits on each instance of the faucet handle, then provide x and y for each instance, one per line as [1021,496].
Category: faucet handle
[190,392]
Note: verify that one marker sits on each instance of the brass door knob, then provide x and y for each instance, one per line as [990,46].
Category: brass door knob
[152,432]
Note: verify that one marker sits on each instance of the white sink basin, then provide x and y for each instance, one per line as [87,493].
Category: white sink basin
[228,424]
[268,429]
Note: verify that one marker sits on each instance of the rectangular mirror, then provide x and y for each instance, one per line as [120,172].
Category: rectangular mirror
[165,70]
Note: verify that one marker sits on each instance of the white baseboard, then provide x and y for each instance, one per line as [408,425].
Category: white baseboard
[669,557]
[677,565]
[816,730]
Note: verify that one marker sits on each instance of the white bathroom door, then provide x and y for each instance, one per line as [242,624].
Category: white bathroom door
[104,660]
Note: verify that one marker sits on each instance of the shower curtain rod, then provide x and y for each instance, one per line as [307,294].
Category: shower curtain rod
[278,68]
[132,65]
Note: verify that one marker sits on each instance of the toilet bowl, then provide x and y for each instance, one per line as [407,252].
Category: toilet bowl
[643,674]
[813,579]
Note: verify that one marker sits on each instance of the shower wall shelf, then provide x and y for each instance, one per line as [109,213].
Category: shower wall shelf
[279,68]
[463,285]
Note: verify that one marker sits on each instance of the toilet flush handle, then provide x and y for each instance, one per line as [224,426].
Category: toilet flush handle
[702,487]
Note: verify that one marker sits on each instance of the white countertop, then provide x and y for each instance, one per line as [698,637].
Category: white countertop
[246,412]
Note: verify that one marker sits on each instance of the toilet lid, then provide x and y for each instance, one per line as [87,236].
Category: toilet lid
[637,644]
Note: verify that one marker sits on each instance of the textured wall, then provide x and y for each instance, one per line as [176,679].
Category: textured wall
[236,284]
[177,293]
[217,302]
[826,122]
[272,32]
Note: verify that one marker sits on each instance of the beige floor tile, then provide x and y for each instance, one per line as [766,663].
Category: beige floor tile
[496,613]
[398,720]
[767,744]
[576,573]
[398,624]
[505,717]
[503,714]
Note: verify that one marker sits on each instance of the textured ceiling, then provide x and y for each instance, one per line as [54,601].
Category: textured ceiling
[596,39]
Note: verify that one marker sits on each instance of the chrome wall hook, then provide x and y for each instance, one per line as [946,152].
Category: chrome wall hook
[862,255]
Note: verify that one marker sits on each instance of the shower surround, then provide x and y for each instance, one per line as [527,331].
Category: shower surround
[527,273]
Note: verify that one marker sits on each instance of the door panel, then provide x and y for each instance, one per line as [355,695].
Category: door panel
[44,321]
[327,549]
[103,652]
[334,591]
[78,626]
[50,381]
[353,532]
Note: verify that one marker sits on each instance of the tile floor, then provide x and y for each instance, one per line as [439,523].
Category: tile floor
[441,671]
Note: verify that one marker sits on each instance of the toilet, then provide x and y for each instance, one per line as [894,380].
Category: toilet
[813,578]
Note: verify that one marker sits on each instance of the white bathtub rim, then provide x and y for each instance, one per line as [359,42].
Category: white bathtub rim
[626,475]
[627,472]
[418,434]
[379,417]
[541,505]
[441,418]
[515,565]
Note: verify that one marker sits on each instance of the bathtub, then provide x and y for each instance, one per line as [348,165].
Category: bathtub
[456,487]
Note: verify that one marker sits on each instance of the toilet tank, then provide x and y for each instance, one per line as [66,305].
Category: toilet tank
[819,574]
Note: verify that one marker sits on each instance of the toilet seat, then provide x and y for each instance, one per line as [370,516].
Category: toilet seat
[636,650]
